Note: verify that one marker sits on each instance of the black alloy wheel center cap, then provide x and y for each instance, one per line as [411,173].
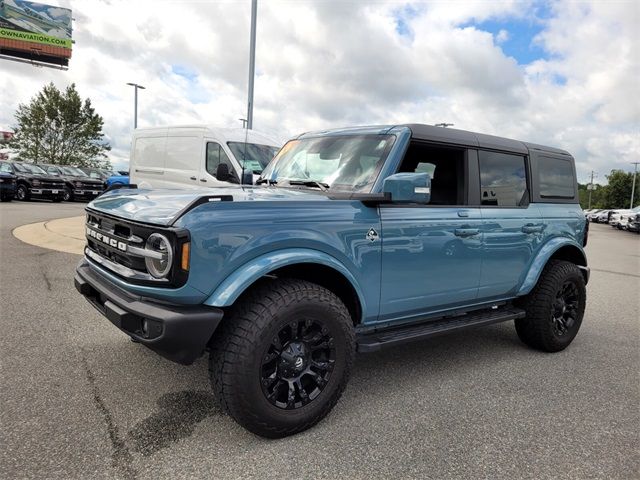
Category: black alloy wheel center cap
[293,359]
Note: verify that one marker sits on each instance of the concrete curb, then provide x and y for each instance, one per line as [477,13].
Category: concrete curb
[63,234]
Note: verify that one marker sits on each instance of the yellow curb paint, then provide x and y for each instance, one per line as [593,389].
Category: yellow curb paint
[64,234]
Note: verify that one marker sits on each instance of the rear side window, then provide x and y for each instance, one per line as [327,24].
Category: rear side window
[503,179]
[555,178]
[215,156]
[150,152]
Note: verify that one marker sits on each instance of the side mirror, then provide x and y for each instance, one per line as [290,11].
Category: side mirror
[222,172]
[408,187]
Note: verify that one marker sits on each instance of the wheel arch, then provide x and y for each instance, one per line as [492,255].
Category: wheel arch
[555,249]
[311,265]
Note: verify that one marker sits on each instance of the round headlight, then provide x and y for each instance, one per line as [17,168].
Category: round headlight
[159,267]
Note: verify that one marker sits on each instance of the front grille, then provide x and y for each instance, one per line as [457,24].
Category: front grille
[111,239]
[121,232]
[51,184]
[91,185]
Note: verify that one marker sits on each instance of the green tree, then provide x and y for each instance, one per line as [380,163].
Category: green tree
[597,196]
[618,193]
[58,127]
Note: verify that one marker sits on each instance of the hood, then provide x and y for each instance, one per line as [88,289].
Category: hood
[87,180]
[164,207]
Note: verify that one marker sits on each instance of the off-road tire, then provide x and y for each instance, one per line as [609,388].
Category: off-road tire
[537,328]
[238,346]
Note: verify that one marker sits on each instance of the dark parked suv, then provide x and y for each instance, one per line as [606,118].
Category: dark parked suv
[78,185]
[7,182]
[33,182]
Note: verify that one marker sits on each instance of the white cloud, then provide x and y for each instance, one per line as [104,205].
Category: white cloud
[328,64]
[502,36]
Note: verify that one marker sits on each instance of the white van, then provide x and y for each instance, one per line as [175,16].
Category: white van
[196,156]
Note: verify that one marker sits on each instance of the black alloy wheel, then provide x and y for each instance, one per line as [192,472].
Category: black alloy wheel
[298,363]
[565,308]
[66,196]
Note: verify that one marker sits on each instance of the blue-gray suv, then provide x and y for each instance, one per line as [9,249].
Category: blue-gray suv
[351,240]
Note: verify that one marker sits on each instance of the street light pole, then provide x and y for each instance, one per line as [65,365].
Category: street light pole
[252,62]
[633,187]
[590,189]
[135,102]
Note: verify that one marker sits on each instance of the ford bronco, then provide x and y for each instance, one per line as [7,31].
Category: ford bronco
[351,240]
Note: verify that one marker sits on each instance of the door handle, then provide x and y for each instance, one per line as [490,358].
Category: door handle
[531,228]
[466,232]
[192,178]
[203,179]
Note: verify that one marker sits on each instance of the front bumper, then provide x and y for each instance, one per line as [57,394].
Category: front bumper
[47,192]
[87,192]
[177,332]
[7,189]
[633,226]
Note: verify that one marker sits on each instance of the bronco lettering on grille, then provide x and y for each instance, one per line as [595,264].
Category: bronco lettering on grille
[112,242]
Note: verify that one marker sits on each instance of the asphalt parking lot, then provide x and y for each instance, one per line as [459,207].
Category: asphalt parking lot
[79,400]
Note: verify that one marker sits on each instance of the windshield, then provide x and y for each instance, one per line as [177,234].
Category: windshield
[255,156]
[76,172]
[26,168]
[342,162]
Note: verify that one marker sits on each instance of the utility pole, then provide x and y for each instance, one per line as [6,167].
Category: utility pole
[252,62]
[591,187]
[244,122]
[135,103]
[633,187]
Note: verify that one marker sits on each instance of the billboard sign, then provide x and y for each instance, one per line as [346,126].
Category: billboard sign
[35,31]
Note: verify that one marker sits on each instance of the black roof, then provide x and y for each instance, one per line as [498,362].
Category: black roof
[472,139]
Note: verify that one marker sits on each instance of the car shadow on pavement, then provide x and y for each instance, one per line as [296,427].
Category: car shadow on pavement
[176,418]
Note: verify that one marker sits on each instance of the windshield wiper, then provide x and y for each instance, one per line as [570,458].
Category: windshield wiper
[267,181]
[310,183]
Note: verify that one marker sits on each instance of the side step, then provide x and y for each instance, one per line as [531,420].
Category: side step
[373,341]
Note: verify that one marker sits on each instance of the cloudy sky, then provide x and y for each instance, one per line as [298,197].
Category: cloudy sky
[565,74]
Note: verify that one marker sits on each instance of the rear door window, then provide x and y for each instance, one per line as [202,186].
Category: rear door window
[503,179]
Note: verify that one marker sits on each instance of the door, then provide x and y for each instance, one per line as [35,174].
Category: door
[512,227]
[431,254]
[215,155]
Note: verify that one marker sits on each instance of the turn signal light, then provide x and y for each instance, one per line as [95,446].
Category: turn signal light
[184,261]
